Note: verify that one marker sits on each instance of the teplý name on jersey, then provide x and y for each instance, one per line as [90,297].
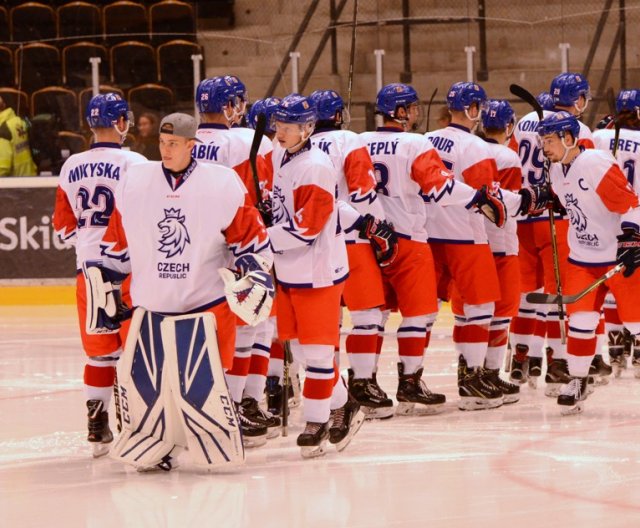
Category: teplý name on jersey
[99,169]
[377,148]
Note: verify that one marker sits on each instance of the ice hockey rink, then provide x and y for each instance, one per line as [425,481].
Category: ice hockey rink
[521,465]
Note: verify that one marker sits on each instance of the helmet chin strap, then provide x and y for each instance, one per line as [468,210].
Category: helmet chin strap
[583,109]
[123,134]
[475,119]
[568,149]
[303,139]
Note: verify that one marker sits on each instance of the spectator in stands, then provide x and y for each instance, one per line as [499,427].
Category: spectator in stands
[15,153]
[147,140]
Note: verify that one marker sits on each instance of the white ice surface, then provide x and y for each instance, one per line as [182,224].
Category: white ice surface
[520,466]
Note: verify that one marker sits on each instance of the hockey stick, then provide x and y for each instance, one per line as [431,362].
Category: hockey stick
[529,98]
[429,108]
[352,56]
[286,361]
[611,101]
[549,298]
[261,126]
[116,400]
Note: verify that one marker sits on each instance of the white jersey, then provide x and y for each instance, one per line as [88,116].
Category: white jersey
[471,162]
[525,143]
[598,199]
[306,238]
[85,198]
[356,177]
[504,241]
[409,173]
[222,145]
[627,154]
[172,235]
[247,134]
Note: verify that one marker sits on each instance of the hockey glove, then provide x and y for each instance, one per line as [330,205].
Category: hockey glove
[249,291]
[535,200]
[629,250]
[265,208]
[382,237]
[490,204]
[105,307]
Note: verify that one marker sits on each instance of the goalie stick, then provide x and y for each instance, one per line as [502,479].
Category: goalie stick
[530,99]
[549,298]
[285,387]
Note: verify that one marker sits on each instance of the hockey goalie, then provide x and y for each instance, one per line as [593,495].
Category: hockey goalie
[198,257]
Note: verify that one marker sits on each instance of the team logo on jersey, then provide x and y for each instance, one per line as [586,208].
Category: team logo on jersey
[280,214]
[577,217]
[173,233]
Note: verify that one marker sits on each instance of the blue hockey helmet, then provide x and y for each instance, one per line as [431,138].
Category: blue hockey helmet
[263,106]
[559,123]
[628,100]
[567,88]
[295,108]
[545,100]
[104,110]
[498,114]
[238,87]
[327,103]
[214,94]
[395,95]
[462,95]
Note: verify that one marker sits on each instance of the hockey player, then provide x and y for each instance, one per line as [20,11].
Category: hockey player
[545,100]
[571,92]
[464,265]
[219,104]
[601,204]
[628,155]
[363,291]
[310,264]
[410,172]
[498,122]
[174,226]
[84,204]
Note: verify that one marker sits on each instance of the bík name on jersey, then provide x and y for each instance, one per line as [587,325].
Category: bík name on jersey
[208,152]
[100,169]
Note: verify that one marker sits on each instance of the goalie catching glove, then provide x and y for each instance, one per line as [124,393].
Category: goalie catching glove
[249,290]
[628,250]
[105,307]
[490,204]
[382,237]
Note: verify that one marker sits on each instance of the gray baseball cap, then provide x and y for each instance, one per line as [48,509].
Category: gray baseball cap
[178,124]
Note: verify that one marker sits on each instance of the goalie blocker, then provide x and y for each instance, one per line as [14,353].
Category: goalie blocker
[174,396]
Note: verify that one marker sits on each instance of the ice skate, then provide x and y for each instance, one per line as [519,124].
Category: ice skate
[99,433]
[166,464]
[635,363]
[535,371]
[572,395]
[274,395]
[413,394]
[374,402]
[254,431]
[600,370]
[618,362]
[557,376]
[510,391]
[254,412]
[520,365]
[475,393]
[313,439]
[345,423]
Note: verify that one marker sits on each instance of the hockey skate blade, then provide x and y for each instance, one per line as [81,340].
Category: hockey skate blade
[511,398]
[479,404]
[599,381]
[377,413]
[313,451]
[533,382]
[414,409]
[552,390]
[354,427]
[251,442]
[570,410]
[273,432]
[617,371]
[100,449]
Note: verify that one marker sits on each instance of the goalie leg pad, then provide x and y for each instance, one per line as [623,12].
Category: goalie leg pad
[148,430]
[205,408]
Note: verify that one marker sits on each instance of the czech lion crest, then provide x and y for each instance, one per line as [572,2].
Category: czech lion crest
[578,219]
[173,233]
